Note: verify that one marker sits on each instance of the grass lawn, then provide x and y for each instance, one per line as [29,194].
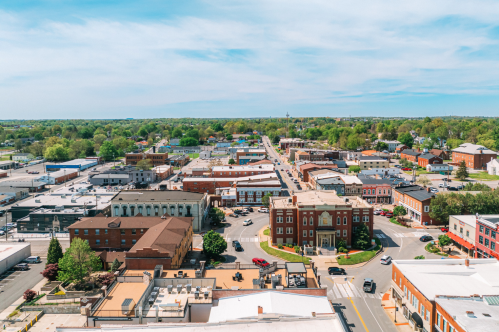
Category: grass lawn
[394,221]
[266,232]
[191,155]
[283,255]
[360,257]
[483,176]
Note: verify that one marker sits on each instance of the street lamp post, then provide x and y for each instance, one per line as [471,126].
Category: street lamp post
[414,168]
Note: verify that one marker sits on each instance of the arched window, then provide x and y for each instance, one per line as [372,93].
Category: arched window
[311,221]
[148,209]
[116,211]
[156,211]
[304,221]
[164,210]
[140,210]
[338,221]
[344,220]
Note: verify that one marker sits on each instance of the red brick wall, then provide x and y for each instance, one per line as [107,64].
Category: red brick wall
[477,161]
[205,186]
[221,293]
[68,177]
[424,162]
[147,264]
[235,173]
[409,157]
[113,236]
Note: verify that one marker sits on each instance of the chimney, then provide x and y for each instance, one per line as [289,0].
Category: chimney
[294,199]
[467,263]
[428,189]
[260,310]
[313,313]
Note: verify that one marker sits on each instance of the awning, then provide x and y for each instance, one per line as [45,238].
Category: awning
[417,319]
[462,242]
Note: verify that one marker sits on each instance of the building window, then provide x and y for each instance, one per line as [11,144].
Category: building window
[364,191]
[279,230]
[304,221]
[116,211]
[148,211]
[105,231]
[365,218]
[122,232]
[97,231]
[305,233]
[427,208]
[77,231]
[487,243]
[481,229]
[279,219]
[455,227]
[289,219]
[344,233]
[289,230]
[493,235]
[134,231]
[123,242]
[85,231]
[338,233]
[97,242]
[344,220]
[493,246]
[134,241]
[311,221]
[106,241]
[311,233]
[468,233]
[338,221]
[480,239]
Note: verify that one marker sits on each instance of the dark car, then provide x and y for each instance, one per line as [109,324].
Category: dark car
[250,209]
[425,238]
[336,270]
[452,189]
[237,246]
[22,267]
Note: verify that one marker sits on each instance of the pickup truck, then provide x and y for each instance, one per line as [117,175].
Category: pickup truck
[368,285]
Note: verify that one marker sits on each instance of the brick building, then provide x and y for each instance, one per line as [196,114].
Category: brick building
[156,158]
[206,185]
[149,241]
[475,156]
[243,170]
[416,288]
[417,201]
[429,159]
[400,148]
[248,155]
[319,155]
[440,153]
[369,162]
[286,143]
[411,155]
[486,236]
[376,190]
[305,169]
[317,218]
[251,191]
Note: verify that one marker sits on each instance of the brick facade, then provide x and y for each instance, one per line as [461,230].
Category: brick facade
[157,159]
[474,161]
[423,161]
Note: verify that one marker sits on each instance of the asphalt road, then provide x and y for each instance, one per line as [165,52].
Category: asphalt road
[288,186]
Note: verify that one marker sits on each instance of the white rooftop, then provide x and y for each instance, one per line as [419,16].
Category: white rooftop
[10,249]
[244,168]
[457,307]
[473,149]
[470,219]
[434,277]
[246,306]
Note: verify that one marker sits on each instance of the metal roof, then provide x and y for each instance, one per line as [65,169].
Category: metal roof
[492,300]
[296,268]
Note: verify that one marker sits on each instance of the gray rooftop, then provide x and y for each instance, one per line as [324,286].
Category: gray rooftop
[469,148]
[420,195]
[373,158]
[296,268]
[428,156]
[411,152]
[158,196]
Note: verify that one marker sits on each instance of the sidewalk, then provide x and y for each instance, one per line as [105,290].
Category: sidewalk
[388,304]
[12,307]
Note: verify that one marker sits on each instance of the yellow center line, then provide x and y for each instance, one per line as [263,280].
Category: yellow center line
[357,311]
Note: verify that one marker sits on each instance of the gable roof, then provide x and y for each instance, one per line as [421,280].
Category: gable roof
[428,156]
[469,148]
[411,152]
[420,195]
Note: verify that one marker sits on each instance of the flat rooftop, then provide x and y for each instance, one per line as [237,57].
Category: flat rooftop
[66,202]
[313,197]
[86,189]
[434,277]
[111,306]
[244,168]
[158,196]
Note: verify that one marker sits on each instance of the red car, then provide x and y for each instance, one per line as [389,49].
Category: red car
[382,213]
[444,229]
[389,214]
[260,262]
[406,169]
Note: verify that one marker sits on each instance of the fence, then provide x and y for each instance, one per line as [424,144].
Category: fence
[113,313]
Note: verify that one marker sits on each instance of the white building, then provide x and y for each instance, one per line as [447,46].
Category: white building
[205,154]
[493,167]
[22,157]
[381,171]
[392,145]
[439,168]
[13,254]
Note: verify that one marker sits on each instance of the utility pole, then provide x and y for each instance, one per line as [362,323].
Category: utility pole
[287,126]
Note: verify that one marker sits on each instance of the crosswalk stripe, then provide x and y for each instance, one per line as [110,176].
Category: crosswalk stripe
[348,290]
[356,292]
[337,292]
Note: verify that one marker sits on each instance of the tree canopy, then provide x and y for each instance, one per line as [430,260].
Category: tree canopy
[78,262]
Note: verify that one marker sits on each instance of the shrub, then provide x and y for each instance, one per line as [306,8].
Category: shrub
[419,257]
[106,279]
[60,293]
[51,271]
[345,250]
[289,245]
[29,295]
[279,246]
[297,249]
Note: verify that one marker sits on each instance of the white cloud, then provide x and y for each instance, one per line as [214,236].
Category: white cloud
[309,52]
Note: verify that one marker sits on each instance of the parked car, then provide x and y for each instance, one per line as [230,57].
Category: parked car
[22,267]
[445,229]
[425,238]
[389,214]
[434,190]
[247,222]
[237,246]
[452,189]
[33,259]
[385,260]
[2,233]
[250,209]
[398,166]
[260,262]
[368,285]
[406,169]
[336,270]
[445,179]
[382,213]
[377,212]
[263,210]
[298,187]
[2,212]
[443,185]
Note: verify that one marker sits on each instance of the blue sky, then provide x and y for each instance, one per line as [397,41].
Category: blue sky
[170,58]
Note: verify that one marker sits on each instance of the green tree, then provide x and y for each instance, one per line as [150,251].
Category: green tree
[213,244]
[99,138]
[192,133]
[399,211]
[423,180]
[380,146]
[177,133]
[18,144]
[116,265]
[229,137]
[354,169]
[266,200]
[216,215]
[78,262]
[406,138]
[361,238]
[144,164]
[55,252]
[342,244]
[188,141]
[462,171]
[232,161]
[108,151]
[444,240]
[56,152]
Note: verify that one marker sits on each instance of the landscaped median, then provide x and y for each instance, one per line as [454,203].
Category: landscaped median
[282,254]
[360,257]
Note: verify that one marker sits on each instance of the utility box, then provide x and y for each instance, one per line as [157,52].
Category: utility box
[127,306]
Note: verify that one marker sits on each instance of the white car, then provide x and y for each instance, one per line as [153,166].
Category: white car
[247,222]
[377,211]
[443,185]
[264,210]
[385,260]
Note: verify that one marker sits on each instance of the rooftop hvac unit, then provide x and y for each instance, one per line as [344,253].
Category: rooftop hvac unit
[169,288]
[37,201]
[206,295]
[63,196]
[156,289]
[188,287]
[196,295]
[179,288]
[151,300]
[127,306]
[154,295]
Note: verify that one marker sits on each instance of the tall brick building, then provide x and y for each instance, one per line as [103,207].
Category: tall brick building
[318,218]
[236,171]
[475,156]
[156,158]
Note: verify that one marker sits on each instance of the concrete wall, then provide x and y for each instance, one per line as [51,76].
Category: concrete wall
[200,313]
[99,322]
[18,252]
[54,309]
